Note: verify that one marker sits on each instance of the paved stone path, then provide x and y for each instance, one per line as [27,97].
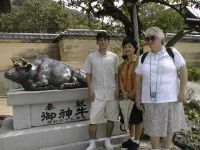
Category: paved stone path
[144,145]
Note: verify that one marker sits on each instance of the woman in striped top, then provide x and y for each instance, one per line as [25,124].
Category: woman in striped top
[127,86]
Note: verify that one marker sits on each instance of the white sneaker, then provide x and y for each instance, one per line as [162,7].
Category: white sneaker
[108,146]
[91,147]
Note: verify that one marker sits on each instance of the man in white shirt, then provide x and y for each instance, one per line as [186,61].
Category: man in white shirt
[102,79]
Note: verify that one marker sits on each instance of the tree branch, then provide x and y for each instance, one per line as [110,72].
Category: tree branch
[177,37]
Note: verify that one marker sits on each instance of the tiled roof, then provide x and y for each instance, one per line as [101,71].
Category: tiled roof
[28,36]
[78,33]
[190,37]
[86,33]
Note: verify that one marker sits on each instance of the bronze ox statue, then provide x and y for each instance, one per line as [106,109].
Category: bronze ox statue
[45,74]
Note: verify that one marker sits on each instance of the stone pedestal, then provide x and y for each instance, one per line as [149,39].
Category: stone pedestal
[51,120]
[68,136]
[37,108]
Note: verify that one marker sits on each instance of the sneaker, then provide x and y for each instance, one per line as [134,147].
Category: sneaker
[91,147]
[108,146]
[127,144]
[134,146]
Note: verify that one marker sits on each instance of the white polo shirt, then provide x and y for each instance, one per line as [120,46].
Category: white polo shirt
[162,77]
[103,69]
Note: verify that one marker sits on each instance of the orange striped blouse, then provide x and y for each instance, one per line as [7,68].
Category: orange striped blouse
[127,74]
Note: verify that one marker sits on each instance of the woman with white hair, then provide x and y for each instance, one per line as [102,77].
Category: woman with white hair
[161,89]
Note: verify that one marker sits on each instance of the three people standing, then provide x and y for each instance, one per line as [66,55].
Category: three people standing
[154,83]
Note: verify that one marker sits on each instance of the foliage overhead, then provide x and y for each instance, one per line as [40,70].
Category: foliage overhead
[122,11]
[152,14]
[45,16]
[53,16]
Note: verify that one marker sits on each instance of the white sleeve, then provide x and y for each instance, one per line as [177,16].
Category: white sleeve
[178,58]
[87,66]
[138,69]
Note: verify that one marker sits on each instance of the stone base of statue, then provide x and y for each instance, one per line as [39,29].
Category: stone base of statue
[51,120]
[68,136]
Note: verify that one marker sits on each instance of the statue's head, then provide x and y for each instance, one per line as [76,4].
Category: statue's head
[19,72]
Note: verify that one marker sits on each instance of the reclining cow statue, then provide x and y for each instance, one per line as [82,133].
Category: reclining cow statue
[45,74]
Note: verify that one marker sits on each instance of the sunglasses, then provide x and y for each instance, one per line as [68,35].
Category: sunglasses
[148,38]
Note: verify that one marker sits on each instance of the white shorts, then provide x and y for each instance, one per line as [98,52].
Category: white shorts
[101,110]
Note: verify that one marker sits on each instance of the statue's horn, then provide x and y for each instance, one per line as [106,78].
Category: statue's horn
[23,61]
[13,60]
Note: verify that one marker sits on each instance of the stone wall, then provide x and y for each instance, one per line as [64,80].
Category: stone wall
[74,51]
[26,49]
[191,52]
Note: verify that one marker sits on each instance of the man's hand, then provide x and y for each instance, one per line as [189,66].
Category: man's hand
[91,95]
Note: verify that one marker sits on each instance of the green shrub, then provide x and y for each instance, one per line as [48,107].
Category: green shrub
[194,74]
[193,113]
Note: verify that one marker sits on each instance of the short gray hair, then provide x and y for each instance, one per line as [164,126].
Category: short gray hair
[156,32]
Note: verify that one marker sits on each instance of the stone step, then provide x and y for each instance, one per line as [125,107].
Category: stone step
[83,145]
[48,136]
[115,140]
[59,137]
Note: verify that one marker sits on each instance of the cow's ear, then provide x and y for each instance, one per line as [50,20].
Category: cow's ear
[13,60]
[28,67]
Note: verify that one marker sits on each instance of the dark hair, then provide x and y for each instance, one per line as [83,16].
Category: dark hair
[102,34]
[131,41]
